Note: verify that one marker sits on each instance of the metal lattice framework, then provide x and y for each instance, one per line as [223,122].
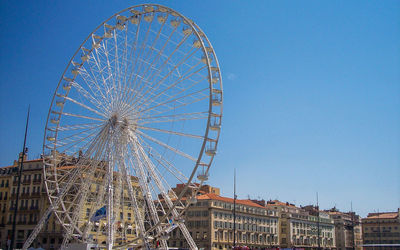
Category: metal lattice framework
[137,110]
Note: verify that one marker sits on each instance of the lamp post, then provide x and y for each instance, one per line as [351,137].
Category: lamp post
[24,150]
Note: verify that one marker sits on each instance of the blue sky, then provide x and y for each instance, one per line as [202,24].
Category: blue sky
[311,91]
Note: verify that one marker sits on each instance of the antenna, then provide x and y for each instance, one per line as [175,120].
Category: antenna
[319,243]
[234,208]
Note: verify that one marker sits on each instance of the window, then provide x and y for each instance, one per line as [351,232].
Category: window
[129,216]
[20,234]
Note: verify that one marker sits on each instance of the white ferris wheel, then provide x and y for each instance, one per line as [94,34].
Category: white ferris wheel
[137,111]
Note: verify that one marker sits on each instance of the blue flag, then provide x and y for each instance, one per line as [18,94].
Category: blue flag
[101,213]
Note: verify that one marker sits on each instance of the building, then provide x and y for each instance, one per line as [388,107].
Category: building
[381,230]
[210,222]
[33,202]
[205,189]
[299,227]
[347,229]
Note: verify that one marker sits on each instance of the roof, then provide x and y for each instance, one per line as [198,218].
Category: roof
[211,196]
[25,161]
[389,215]
[279,203]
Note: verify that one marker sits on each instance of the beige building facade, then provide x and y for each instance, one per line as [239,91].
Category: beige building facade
[381,230]
[211,223]
[299,226]
[347,230]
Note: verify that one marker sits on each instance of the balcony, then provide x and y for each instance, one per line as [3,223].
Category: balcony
[24,195]
[26,182]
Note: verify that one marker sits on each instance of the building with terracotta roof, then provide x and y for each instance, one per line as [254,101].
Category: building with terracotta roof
[300,226]
[347,229]
[210,222]
[381,230]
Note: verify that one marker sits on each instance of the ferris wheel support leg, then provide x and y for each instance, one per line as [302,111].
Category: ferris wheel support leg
[38,227]
[110,205]
[138,218]
[167,199]
[48,212]
[147,196]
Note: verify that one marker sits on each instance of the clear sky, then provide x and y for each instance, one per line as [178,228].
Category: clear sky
[311,91]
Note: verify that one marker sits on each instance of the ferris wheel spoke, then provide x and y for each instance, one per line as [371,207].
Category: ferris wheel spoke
[79,126]
[84,93]
[73,144]
[85,106]
[110,77]
[181,90]
[94,88]
[122,69]
[151,49]
[142,49]
[170,119]
[160,69]
[78,116]
[155,60]
[128,83]
[171,132]
[117,81]
[188,56]
[174,108]
[190,116]
[179,100]
[164,162]
[173,85]
[157,73]
[76,136]
[167,146]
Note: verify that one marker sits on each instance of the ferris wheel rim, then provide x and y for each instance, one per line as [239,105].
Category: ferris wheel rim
[200,35]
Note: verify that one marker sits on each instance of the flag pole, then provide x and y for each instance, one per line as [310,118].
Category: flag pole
[24,149]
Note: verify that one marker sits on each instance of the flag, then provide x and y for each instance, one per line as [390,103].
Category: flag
[101,213]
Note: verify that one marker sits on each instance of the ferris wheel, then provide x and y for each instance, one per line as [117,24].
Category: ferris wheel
[137,111]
